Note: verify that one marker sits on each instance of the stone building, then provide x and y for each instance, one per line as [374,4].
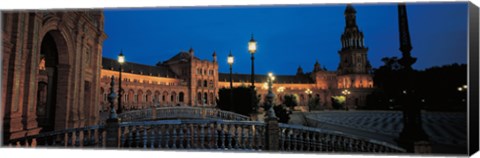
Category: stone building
[50,70]
[54,76]
[187,80]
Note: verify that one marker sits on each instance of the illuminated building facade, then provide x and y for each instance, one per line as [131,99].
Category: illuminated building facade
[187,80]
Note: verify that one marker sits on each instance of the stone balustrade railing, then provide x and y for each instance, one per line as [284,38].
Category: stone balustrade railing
[179,113]
[301,138]
[90,136]
[193,134]
[208,134]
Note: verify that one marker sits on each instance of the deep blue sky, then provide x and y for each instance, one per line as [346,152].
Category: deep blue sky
[288,36]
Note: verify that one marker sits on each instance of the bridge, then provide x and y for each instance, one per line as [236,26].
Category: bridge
[194,128]
[191,128]
[178,112]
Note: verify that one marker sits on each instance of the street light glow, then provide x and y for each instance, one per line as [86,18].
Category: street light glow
[252,45]
[230,58]
[121,58]
[308,91]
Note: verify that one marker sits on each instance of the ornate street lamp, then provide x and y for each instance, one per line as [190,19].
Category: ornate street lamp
[111,99]
[252,48]
[269,109]
[121,60]
[309,94]
[230,60]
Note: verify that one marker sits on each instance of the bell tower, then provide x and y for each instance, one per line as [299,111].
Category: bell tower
[353,55]
[354,68]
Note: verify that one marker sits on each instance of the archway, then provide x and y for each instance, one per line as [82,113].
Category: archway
[53,69]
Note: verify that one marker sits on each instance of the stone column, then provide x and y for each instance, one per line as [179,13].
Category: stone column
[112,124]
[113,133]
[272,134]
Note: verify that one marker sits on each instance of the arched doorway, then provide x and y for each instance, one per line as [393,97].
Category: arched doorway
[49,94]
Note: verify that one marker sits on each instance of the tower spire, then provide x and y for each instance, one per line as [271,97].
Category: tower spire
[316,66]
[299,70]
[214,56]
[351,37]
[353,54]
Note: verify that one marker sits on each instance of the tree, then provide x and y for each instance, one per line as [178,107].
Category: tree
[338,102]
[290,101]
[241,100]
[434,88]
[314,103]
[282,112]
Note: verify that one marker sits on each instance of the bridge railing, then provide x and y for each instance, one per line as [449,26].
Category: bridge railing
[301,138]
[208,135]
[180,112]
[193,134]
[90,136]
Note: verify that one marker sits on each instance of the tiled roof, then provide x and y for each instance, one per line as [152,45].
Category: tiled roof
[225,77]
[181,56]
[129,67]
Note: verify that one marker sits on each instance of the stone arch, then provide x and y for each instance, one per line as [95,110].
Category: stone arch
[205,98]
[139,99]
[181,97]
[55,50]
[210,98]
[199,98]
[148,97]
[157,97]
[173,97]
[129,98]
[62,37]
[164,97]
[205,83]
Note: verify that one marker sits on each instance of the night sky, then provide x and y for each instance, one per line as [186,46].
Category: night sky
[287,36]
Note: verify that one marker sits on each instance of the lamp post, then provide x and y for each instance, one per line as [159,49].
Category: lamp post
[121,60]
[230,60]
[270,95]
[346,92]
[252,48]
[111,99]
[309,95]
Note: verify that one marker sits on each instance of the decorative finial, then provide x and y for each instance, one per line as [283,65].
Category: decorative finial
[350,9]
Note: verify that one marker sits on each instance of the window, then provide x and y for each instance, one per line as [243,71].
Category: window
[180,97]
[205,84]
[199,97]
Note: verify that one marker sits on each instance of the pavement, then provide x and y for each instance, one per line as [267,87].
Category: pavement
[447,131]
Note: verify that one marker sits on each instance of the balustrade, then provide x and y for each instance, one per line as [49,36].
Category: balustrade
[177,113]
[192,134]
[301,138]
[204,134]
[90,136]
